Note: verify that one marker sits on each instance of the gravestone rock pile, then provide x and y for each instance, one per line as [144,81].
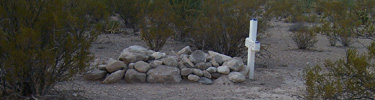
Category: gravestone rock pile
[137,64]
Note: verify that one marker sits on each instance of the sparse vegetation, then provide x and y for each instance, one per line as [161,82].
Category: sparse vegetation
[304,37]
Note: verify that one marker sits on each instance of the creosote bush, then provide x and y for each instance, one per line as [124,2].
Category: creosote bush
[43,42]
[304,38]
[346,79]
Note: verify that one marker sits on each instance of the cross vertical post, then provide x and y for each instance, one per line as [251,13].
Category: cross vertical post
[253,46]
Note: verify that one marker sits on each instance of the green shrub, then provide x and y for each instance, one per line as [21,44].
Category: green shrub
[128,10]
[224,25]
[112,26]
[43,42]
[155,25]
[346,79]
[304,38]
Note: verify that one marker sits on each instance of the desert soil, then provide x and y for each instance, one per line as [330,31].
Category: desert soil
[278,76]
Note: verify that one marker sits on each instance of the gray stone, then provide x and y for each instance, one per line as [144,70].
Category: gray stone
[197,56]
[193,78]
[185,50]
[114,77]
[244,71]
[223,80]
[186,71]
[215,75]
[234,64]
[164,74]
[214,63]
[133,76]
[211,69]
[223,69]
[158,55]
[207,74]
[155,63]
[142,66]
[170,61]
[117,65]
[205,81]
[203,66]
[220,58]
[236,77]
[131,65]
[95,74]
[186,61]
[110,61]
[134,53]
[181,65]
[198,72]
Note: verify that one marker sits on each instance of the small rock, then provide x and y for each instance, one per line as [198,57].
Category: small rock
[95,74]
[164,74]
[211,69]
[185,50]
[244,71]
[214,63]
[193,78]
[234,64]
[197,57]
[133,76]
[102,67]
[198,72]
[131,65]
[223,80]
[236,77]
[223,69]
[155,63]
[205,81]
[170,61]
[187,62]
[186,71]
[158,55]
[215,75]
[117,65]
[114,77]
[181,65]
[142,66]
[202,66]
[207,74]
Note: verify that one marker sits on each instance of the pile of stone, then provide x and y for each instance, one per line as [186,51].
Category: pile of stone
[138,64]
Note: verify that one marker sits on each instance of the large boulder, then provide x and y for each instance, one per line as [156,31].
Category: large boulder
[133,76]
[134,53]
[170,61]
[197,56]
[164,74]
[185,50]
[235,64]
[114,77]
[116,65]
[95,74]
[223,69]
[142,66]
[236,77]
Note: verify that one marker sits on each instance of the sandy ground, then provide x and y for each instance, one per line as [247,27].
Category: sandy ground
[276,78]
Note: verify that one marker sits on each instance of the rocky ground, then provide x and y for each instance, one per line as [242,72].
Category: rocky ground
[277,77]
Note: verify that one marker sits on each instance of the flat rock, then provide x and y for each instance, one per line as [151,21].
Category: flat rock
[205,81]
[223,69]
[185,50]
[95,74]
[236,77]
[186,71]
[114,77]
[133,76]
[142,66]
[116,65]
[193,78]
[134,53]
[197,57]
[164,74]
[170,61]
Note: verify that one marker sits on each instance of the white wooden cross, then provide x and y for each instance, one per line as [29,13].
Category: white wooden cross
[253,46]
